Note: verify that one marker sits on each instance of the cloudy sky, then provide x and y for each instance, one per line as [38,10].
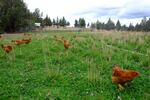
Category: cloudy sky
[92,10]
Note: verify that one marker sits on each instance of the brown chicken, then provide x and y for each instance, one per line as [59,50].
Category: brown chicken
[66,44]
[7,48]
[121,76]
[22,41]
[63,40]
[1,36]
[18,42]
[26,41]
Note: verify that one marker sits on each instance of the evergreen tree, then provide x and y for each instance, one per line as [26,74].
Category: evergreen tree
[57,22]
[103,26]
[67,24]
[93,25]
[110,24]
[118,25]
[148,25]
[63,21]
[88,24]
[47,21]
[54,22]
[82,23]
[124,28]
[138,27]
[98,25]
[143,24]
[14,15]
[131,27]
[60,22]
[76,23]
[37,16]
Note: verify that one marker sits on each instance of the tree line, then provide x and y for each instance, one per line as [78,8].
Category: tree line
[144,25]
[62,22]
[80,23]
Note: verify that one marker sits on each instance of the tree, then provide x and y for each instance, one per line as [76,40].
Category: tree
[82,23]
[98,25]
[47,21]
[60,22]
[124,28]
[138,27]
[110,24]
[148,25]
[131,27]
[93,25]
[14,15]
[103,26]
[88,25]
[37,16]
[63,21]
[57,22]
[68,23]
[54,22]
[143,24]
[76,23]
[118,25]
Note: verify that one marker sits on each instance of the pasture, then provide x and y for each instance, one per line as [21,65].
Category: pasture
[45,70]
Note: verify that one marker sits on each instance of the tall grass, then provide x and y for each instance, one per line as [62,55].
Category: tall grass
[45,70]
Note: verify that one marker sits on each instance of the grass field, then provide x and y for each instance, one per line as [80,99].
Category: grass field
[44,70]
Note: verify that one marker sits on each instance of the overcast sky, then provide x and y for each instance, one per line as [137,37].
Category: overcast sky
[92,10]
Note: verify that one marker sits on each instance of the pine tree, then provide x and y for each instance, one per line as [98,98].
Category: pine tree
[57,22]
[47,21]
[148,25]
[60,22]
[68,23]
[138,27]
[98,25]
[82,23]
[54,22]
[76,23]
[110,24]
[131,27]
[143,24]
[118,25]
[124,28]
[63,21]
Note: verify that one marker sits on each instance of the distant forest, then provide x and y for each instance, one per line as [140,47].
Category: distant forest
[16,17]
[144,25]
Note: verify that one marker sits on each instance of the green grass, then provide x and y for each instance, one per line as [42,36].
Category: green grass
[43,69]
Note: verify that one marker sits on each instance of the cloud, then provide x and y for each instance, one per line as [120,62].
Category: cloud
[100,11]
[135,9]
[137,14]
[130,10]
[110,12]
